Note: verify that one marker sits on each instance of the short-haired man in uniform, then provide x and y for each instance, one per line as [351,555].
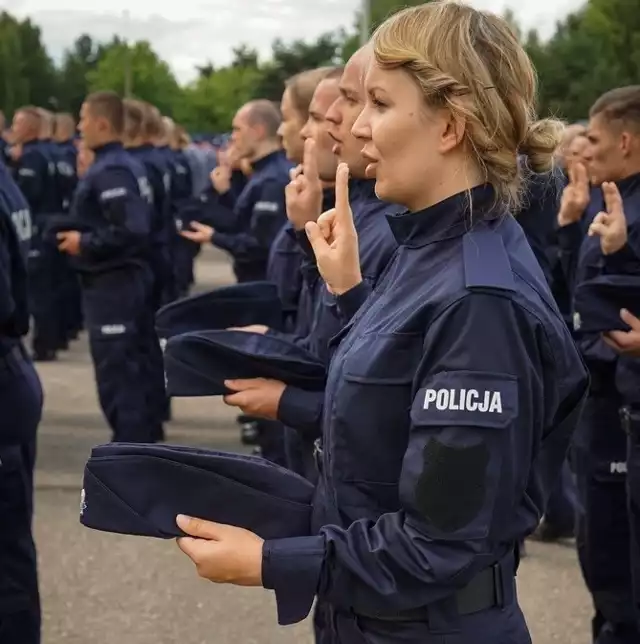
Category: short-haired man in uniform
[34,171]
[67,180]
[260,210]
[113,208]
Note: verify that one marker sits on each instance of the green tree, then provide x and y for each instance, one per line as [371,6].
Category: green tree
[379,10]
[212,101]
[14,87]
[151,77]
[288,60]
[36,67]
[77,62]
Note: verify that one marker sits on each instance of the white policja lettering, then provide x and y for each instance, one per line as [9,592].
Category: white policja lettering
[463,400]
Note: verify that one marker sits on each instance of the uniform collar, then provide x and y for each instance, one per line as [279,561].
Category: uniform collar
[114,146]
[450,218]
[30,144]
[263,162]
[362,189]
[328,199]
[629,184]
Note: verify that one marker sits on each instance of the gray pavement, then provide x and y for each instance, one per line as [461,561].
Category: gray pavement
[108,589]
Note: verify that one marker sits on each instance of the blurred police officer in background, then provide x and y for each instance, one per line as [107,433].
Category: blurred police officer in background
[113,208]
[34,170]
[21,407]
[612,158]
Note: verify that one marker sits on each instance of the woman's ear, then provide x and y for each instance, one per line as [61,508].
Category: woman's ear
[451,130]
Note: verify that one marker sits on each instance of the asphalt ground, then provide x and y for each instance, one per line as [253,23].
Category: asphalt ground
[100,588]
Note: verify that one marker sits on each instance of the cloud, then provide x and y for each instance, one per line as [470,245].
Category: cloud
[191,32]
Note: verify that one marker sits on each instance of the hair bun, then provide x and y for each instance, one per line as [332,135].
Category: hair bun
[540,143]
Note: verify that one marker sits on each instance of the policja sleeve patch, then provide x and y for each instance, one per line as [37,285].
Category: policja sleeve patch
[458,420]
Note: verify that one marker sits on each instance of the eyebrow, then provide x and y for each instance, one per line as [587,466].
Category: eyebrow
[316,115]
[349,93]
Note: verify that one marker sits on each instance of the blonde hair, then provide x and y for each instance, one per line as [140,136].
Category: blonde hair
[134,117]
[471,63]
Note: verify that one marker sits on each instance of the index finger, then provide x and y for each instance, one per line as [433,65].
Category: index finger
[580,174]
[612,198]
[630,319]
[310,161]
[343,207]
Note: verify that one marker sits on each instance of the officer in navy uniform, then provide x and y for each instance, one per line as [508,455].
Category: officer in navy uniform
[34,171]
[259,211]
[163,231]
[453,391]
[21,400]
[67,180]
[111,248]
[600,445]
[181,194]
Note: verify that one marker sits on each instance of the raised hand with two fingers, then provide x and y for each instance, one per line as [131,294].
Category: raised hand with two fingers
[575,196]
[610,226]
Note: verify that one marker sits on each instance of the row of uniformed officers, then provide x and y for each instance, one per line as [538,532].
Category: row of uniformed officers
[454,387]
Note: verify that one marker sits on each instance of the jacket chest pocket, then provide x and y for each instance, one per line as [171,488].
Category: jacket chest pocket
[371,406]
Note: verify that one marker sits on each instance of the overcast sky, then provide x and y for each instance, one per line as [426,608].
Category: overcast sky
[190,32]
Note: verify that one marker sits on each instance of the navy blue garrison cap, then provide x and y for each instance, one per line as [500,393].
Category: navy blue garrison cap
[235,305]
[139,489]
[197,364]
[598,301]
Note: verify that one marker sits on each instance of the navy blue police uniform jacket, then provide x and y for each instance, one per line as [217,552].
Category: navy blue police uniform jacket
[66,173]
[181,181]
[112,207]
[214,209]
[35,176]
[450,402]
[260,214]
[163,230]
[22,415]
[539,214]
[16,231]
[377,245]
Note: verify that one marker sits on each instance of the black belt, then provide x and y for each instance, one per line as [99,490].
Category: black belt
[484,591]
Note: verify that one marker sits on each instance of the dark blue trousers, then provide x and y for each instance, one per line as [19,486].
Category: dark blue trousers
[562,504]
[44,299]
[600,453]
[21,405]
[116,314]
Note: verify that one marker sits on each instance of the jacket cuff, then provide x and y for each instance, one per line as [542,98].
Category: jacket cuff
[302,410]
[305,244]
[623,261]
[352,300]
[222,241]
[570,237]
[85,243]
[291,568]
